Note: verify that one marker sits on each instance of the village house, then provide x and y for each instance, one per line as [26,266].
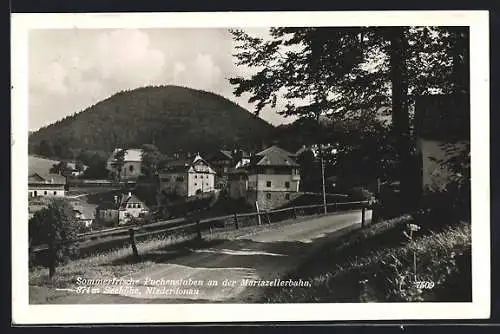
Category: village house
[187,178]
[271,179]
[221,161]
[46,184]
[84,214]
[132,161]
[224,162]
[122,209]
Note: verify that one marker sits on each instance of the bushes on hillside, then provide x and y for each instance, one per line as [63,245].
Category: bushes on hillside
[57,227]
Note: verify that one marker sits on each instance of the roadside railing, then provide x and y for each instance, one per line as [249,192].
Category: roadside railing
[194,227]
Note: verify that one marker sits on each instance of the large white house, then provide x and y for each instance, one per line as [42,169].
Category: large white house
[46,184]
[131,163]
[272,178]
[188,178]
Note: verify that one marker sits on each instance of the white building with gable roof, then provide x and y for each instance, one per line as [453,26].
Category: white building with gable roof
[131,163]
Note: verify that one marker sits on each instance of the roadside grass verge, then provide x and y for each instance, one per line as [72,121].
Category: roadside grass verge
[96,265]
[376,265]
[120,262]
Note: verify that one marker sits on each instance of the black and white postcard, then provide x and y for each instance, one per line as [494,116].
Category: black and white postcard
[230,167]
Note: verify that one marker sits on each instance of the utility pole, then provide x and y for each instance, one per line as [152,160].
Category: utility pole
[323,178]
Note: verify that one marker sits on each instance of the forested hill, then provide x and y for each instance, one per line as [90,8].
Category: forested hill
[174,118]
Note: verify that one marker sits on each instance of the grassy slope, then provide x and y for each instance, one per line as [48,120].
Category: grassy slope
[41,165]
[376,264]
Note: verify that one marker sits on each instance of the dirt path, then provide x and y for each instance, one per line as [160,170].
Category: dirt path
[233,265]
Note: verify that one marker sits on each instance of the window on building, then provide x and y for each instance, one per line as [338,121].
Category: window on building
[287,196]
[287,184]
[268,195]
[55,193]
[268,183]
[45,192]
[180,178]
[34,193]
[196,176]
[131,168]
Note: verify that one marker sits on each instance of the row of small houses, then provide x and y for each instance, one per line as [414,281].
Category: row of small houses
[267,179]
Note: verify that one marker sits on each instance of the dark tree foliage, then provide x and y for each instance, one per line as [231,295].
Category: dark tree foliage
[79,166]
[310,172]
[344,70]
[56,226]
[119,162]
[96,164]
[45,148]
[60,168]
[173,118]
[452,202]
[152,159]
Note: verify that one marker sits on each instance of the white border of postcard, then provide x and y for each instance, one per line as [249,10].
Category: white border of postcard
[23,313]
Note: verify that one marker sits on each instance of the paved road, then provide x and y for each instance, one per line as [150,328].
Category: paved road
[266,255]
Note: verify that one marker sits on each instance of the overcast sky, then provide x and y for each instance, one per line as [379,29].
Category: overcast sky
[71,69]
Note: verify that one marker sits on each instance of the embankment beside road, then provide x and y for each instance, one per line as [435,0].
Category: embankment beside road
[381,264]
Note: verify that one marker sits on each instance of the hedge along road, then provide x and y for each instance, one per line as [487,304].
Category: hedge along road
[230,271]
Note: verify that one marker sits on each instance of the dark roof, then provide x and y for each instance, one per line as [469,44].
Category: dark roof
[227,153]
[274,156]
[46,178]
[124,199]
[275,150]
[174,169]
[129,199]
[276,159]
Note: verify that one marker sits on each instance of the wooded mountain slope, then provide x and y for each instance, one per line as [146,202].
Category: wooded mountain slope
[173,118]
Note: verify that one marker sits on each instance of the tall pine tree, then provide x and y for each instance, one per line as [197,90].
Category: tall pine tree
[351,72]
